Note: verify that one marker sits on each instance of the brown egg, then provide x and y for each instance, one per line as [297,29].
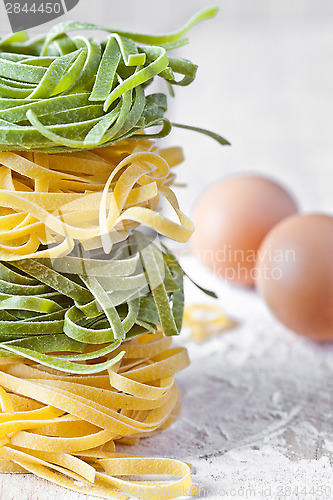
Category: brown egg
[295,274]
[232,218]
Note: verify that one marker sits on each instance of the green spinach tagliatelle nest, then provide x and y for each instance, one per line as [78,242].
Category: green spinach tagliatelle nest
[61,93]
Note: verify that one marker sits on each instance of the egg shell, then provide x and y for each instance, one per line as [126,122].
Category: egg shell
[295,274]
[231,219]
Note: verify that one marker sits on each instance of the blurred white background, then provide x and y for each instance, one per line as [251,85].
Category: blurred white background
[264,82]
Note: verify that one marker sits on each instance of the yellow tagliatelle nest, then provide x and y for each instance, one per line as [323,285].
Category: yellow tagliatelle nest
[63,428]
[92,197]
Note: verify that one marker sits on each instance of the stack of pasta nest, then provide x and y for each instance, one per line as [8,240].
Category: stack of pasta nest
[88,301]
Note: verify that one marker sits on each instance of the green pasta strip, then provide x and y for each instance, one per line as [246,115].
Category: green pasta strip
[143,75]
[104,300]
[11,110]
[157,287]
[31,328]
[36,304]
[93,267]
[46,344]
[107,71]
[88,335]
[204,131]
[54,280]
[136,37]
[21,72]
[64,365]
[50,80]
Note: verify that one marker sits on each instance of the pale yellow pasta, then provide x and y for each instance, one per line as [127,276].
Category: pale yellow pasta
[63,428]
[205,320]
[95,197]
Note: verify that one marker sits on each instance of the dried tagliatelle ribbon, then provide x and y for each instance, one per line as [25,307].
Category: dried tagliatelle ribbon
[64,428]
[93,197]
[206,320]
